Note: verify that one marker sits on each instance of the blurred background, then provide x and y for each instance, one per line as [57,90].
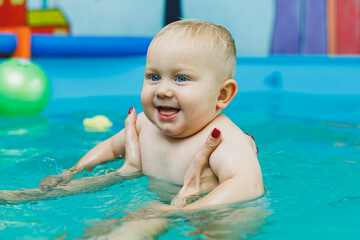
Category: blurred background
[260,27]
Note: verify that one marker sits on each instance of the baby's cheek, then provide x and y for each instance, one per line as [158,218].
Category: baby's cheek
[145,98]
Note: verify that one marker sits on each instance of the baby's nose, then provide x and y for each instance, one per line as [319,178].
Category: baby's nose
[164,90]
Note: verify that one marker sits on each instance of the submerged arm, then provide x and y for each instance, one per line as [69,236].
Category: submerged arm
[77,186]
[123,143]
[235,189]
[238,172]
[100,154]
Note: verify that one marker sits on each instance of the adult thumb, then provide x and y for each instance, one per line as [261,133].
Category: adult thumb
[211,143]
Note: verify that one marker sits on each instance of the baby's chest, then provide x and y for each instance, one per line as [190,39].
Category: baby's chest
[165,160]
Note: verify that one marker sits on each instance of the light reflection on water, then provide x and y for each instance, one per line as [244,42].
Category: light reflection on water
[311,169]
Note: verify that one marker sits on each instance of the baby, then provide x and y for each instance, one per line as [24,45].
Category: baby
[189,80]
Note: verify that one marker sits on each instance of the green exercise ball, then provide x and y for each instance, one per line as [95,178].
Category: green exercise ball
[24,88]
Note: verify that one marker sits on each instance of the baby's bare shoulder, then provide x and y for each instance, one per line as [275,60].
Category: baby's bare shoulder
[227,127]
[234,140]
[237,151]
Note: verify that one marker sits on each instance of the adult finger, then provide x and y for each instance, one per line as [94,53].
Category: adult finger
[132,149]
[211,143]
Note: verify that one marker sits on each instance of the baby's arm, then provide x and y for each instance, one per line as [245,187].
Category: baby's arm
[116,147]
[77,186]
[104,152]
[236,166]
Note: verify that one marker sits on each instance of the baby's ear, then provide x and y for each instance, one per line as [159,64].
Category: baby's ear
[228,91]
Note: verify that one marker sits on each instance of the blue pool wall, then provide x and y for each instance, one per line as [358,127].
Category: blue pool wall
[322,75]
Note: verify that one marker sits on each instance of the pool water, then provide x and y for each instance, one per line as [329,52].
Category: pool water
[309,151]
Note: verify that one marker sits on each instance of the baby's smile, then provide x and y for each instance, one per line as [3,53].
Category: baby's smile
[167,113]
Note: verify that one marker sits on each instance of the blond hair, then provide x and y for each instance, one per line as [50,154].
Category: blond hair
[211,36]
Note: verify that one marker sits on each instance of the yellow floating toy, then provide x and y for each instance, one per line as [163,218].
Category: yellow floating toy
[99,123]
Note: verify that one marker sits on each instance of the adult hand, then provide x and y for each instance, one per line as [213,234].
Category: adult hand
[199,177]
[132,162]
[48,183]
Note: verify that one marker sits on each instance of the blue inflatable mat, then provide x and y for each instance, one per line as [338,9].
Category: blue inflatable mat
[81,46]
[7,43]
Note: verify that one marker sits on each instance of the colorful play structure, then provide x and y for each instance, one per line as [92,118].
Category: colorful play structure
[317,27]
[46,32]
[16,19]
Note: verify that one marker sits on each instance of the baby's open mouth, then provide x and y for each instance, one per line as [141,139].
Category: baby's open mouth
[167,113]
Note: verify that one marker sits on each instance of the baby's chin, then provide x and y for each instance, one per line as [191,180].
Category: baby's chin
[175,136]
[179,134]
[175,132]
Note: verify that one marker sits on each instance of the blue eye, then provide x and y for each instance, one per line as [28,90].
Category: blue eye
[181,79]
[155,78]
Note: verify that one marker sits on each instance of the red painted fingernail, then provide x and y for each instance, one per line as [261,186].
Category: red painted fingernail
[257,150]
[131,109]
[252,138]
[247,134]
[215,133]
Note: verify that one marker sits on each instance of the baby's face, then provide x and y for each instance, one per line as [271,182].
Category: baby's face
[181,86]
